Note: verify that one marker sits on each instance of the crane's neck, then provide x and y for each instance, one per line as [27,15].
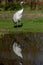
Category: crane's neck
[22,9]
[21,4]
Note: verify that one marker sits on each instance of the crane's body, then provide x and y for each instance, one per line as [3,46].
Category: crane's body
[17,16]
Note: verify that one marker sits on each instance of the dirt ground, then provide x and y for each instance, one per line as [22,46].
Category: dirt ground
[33,15]
[30,15]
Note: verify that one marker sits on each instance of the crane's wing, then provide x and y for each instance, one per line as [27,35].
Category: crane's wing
[17,16]
[17,50]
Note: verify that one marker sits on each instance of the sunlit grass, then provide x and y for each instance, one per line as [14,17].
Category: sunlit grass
[29,25]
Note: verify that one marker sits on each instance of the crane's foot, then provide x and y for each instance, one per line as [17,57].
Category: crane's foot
[20,25]
[15,26]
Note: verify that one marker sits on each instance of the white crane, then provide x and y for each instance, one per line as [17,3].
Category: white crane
[18,15]
[17,50]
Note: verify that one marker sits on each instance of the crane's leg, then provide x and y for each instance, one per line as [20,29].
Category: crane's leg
[20,24]
[17,24]
[18,20]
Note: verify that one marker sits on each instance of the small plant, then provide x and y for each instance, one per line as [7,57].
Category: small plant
[1,7]
[12,6]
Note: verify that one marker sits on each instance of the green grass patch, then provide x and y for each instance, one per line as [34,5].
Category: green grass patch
[29,25]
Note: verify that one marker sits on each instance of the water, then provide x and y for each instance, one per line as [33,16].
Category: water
[30,46]
[17,50]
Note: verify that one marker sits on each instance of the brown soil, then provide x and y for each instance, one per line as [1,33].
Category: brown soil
[34,15]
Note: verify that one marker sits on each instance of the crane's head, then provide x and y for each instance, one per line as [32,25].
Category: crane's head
[22,2]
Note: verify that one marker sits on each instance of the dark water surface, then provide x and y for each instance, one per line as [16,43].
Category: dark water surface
[31,44]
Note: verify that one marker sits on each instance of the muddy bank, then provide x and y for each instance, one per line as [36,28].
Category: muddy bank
[31,44]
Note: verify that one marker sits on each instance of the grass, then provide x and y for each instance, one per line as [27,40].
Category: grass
[29,25]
